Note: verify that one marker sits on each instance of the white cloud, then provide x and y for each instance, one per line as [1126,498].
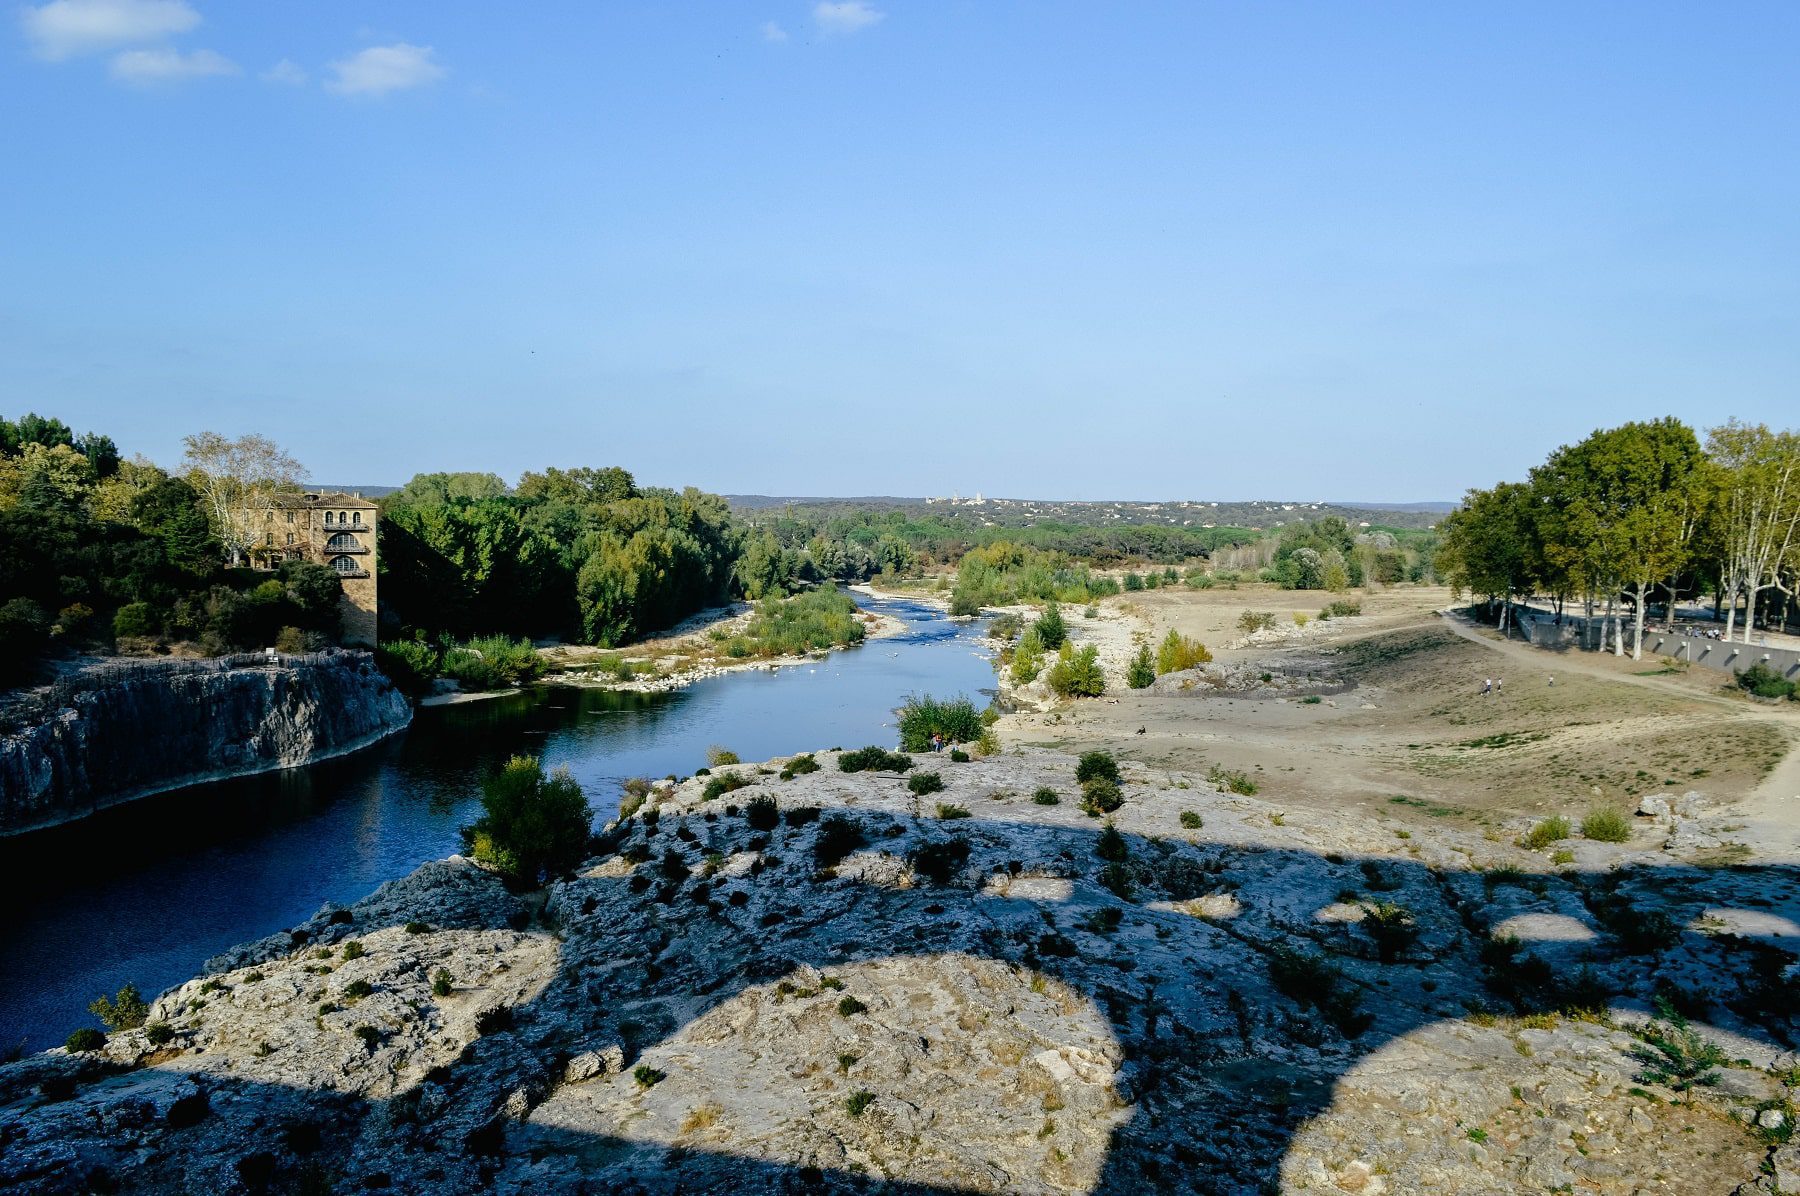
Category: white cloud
[381,69]
[846,16]
[64,28]
[287,72]
[773,33]
[166,66]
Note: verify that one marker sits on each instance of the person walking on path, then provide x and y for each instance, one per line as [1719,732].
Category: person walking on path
[1487,686]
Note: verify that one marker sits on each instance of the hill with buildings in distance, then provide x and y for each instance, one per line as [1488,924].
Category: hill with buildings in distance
[980,511]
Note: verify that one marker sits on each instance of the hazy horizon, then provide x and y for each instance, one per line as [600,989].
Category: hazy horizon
[867,247]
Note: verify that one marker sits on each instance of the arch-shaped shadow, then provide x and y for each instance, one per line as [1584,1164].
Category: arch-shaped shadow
[1202,976]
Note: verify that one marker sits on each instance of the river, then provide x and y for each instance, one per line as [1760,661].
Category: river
[147,892]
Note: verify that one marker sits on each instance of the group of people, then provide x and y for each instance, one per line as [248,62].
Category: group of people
[1491,686]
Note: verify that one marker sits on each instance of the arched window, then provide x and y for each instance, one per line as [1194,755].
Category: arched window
[344,564]
[290,537]
[269,540]
[328,519]
[341,542]
[356,517]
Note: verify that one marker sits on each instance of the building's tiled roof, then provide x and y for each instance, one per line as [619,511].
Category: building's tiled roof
[328,499]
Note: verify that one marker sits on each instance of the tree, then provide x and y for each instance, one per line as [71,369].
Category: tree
[170,510]
[237,479]
[1052,632]
[1758,505]
[1487,546]
[1657,471]
[1142,672]
[531,825]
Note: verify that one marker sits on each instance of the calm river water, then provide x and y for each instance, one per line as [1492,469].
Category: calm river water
[147,892]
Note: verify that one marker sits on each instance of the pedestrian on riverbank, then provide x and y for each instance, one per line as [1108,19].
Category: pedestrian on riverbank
[1487,686]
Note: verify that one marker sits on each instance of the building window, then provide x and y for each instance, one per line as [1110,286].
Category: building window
[328,518]
[342,542]
[290,516]
[269,539]
[356,517]
[343,564]
[290,537]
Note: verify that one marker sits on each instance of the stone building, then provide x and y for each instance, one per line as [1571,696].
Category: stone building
[332,529]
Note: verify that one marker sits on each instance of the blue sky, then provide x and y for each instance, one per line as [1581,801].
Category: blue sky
[1189,250]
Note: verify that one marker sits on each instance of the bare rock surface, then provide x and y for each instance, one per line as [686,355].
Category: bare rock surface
[866,996]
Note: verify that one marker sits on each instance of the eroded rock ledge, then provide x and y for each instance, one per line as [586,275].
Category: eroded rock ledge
[875,993]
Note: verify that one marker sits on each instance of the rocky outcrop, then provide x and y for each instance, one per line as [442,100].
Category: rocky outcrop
[125,732]
[874,993]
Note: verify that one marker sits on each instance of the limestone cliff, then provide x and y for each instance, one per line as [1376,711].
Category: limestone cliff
[839,992]
[126,732]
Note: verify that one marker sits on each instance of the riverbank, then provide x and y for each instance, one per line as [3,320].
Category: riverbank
[839,988]
[119,733]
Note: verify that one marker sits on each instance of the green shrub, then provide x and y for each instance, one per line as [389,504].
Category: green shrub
[647,1076]
[356,990]
[950,813]
[353,950]
[1312,980]
[124,1011]
[1765,682]
[1392,927]
[939,861]
[492,662]
[838,837]
[1178,652]
[850,1006]
[1051,629]
[718,757]
[921,783]
[1111,844]
[418,928]
[719,784]
[1046,796]
[957,720]
[1231,781]
[136,620]
[762,813]
[1255,620]
[858,1101]
[1100,796]
[1097,764]
[530,824]
[1142,672]
[1005,626]
[958,756]
[1077,674]
[85,1039]
[1673,1055]
[1343,608]
[159,1033]
[1118,878]
[370,1036]
[1550,830]
[1191,820]
[873,759]
[818,619]
[1606,825]
[800,766]
[441,984]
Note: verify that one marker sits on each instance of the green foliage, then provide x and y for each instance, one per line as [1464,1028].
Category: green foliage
[940,860]
[1100,796]
[1111,844]
[849,1006]
[1674,1055]
[530,824]
[1231,781]
[1178,652]
[441,984]
[354,950]
[1341,609]
[799,766]
[1191,820]
[819,619]
[1606,825]
[1142,672]
[1046,796]
[1052,632]
[1028,657]
[921,783]
[1005,626]
[647,1076]
[1096,764]
[1256,620]
[1765,682]
[949,812]
[159,1033]
[492,662]
[718,757]
[1550,830]
[857,1101]
[83,1040]
[761,813]
[873,759]
[719,784]
[1392,927]
[1077,674]
[838,836]
[957,720]
[124,1011]
[1311,980]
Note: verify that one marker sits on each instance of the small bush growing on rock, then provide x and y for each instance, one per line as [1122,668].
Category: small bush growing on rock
[761,813]
[800,815]
[1046,796]
[1314,981]
[371,1037]
[495,1020]
[418,928]
[939,861]
[124,1011]
[1565,856]
[717,756]
[1231,781]
[1118,879]
[1051,629]
[647,1076]
[850,1005]
[873,759]
[1111,844]
[632,796]
[721,783]
[1550,830]
[673,866]
[838,837]
[1673,1055]
[1392,927]
[159,1033]
[800,766]
[921,783]
[1005,626]
[1104,920]
[858,1101]
[441,984]
[1606,826]
[1178,652]
[1097,764]
[950,812]
[955,720]
[530,824]
[358,989]
[1255,620]
[1100,796]
[1191,820]
[1077,674]
[85,1039]
[353,950]
[1343,608]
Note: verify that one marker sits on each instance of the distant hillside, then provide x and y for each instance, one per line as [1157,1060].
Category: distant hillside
[365,491]
[1017,512]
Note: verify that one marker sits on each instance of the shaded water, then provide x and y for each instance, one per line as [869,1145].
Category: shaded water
[148,891]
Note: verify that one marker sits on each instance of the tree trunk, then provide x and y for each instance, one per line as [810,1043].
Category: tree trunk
[1730,612]
[1637,631]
